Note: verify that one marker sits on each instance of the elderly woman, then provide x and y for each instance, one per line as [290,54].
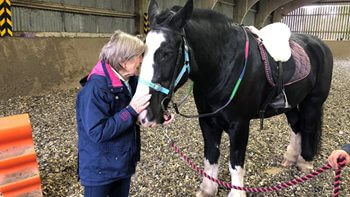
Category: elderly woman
[345,152]
[106,112]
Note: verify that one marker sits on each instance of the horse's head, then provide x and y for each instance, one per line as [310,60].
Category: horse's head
[163,69]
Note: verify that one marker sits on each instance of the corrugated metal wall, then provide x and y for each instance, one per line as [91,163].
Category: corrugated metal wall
[28,18]
[328,22]
[88,16]
[42,20]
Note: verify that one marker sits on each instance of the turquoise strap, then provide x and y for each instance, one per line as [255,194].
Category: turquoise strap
[185,68]
[154,86]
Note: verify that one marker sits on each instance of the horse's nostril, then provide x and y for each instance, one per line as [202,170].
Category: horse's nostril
[143,121]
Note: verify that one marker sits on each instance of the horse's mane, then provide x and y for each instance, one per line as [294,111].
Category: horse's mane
[206,14]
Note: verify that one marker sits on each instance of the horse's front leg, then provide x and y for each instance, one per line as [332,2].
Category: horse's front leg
[212,137]
[294,147]
[238,133]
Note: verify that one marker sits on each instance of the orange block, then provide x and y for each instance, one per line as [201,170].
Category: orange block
[19,172]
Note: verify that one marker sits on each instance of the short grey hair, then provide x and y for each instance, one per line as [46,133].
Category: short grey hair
[121,47]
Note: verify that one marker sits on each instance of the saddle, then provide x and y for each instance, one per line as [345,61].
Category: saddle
[275,39]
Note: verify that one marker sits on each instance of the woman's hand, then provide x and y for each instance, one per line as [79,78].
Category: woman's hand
[333,158]
[139,103]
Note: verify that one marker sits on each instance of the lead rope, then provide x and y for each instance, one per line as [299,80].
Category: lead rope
[295,181]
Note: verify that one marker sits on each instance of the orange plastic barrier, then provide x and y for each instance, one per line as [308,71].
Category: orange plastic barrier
[19,173]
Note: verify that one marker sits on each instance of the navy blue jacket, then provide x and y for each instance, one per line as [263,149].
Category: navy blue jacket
[108,138]
[346,147]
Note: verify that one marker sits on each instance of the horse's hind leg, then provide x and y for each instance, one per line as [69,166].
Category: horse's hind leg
[294,147]
[239,133]
[306,123]
[311,122]
[212,138]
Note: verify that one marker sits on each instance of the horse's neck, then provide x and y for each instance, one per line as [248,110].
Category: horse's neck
[209,53]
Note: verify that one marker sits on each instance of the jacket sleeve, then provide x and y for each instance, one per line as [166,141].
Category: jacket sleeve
[97,121]
[346,147]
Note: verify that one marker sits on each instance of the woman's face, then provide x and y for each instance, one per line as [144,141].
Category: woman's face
[132,66]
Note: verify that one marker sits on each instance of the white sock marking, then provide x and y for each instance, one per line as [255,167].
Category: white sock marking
[207,185]
[294,147]
[237,179]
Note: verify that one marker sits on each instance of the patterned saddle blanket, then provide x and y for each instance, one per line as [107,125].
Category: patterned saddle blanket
[300,66]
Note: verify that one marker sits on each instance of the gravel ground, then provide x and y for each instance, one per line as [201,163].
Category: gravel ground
[161,172]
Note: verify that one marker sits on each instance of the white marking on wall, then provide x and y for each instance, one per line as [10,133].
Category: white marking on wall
[153,42]
[207,185]
[237,179]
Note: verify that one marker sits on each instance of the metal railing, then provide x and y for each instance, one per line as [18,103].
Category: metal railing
[328,22]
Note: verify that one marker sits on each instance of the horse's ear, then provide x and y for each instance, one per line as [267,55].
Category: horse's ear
[152,10]
[182,16]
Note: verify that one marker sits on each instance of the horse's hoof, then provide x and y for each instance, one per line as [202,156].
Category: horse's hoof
[305,169]
[287,163]
[236,193]
[304,166]
[201,193]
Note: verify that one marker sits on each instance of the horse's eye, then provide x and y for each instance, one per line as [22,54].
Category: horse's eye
[164,56]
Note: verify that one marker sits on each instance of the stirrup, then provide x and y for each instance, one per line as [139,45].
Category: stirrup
[280,101]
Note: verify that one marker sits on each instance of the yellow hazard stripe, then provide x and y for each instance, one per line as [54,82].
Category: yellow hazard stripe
[3,32]
[9,31]
[2,11]
[8,2]
[2,22]
[9,22]
[8,12]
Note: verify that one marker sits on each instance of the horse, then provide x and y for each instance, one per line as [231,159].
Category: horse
[220,56]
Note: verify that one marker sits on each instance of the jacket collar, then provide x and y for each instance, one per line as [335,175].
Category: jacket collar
[104,69]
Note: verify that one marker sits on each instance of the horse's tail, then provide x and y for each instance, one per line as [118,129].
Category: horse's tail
[324,79]
[312,106]
[319,132]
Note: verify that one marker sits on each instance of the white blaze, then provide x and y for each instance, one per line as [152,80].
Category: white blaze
[153,42]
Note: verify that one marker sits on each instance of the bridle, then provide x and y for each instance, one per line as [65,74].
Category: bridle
[186,67]
[175,79]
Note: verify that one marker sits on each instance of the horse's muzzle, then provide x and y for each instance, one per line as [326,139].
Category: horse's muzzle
[142,119]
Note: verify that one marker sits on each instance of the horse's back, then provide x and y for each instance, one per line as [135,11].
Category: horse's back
[321,59]
[314,46]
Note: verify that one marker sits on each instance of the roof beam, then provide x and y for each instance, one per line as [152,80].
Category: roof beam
[241,9]
[266,8]
[285,9]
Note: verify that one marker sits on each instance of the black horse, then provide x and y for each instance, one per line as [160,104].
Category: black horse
[217,55]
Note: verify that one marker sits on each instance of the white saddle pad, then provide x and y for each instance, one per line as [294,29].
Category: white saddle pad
[275,38]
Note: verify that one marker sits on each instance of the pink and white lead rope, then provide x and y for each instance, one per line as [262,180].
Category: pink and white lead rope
[298,180]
